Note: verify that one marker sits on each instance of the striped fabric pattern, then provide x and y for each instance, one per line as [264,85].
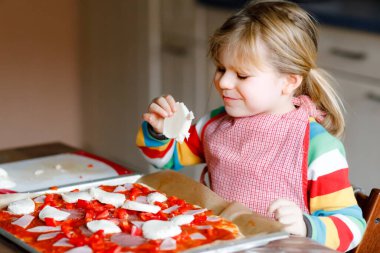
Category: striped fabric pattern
[336,219]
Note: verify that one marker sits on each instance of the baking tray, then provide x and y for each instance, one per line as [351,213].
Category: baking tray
[56,170]
[237,245]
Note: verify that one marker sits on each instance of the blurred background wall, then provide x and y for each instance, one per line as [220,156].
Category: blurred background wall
[40,99]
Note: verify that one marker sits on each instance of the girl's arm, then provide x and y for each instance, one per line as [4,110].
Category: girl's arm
[168,153]
[335,218]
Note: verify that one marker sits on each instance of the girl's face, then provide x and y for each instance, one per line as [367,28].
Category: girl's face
[248,90]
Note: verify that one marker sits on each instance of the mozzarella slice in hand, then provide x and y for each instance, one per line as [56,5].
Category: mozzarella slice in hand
[72,197]
[137,206]
[107,226]
[156,196]
[115,199]
[182,219]
[52,212]
[178,125]
[22,206]
[157,229]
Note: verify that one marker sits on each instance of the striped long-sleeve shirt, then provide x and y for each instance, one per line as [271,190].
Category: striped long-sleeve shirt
[335,219]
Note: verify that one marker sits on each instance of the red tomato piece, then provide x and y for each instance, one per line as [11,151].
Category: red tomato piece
[135,231]
[121,213]
[102,215]
[200,219]
[134,193]
[51,222]
[82,204]
[90,215]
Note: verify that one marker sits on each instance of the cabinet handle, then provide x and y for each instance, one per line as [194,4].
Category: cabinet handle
[348,54]
[373,96]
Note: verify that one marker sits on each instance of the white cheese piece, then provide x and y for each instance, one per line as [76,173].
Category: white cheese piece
[44,229]
[39,199]
[22,206]
[182,219]
[137,223]
[137,206]
[197,236]
[119,188]
[83,249]
[178,125]
[170,209]
[107,226]
[24,221]
[128,186]
[156,196]
[194,212]
[158,229]
[168,244]
[204,227]
[141,199]
[52,212]
[47,236]
[73,197]
[127,240]
[115,199]
[63,242]
[213,218]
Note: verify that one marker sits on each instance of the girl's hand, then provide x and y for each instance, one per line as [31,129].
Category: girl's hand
[160,108]
[290,215]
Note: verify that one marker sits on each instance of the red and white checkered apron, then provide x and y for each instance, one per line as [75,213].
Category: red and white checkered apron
[256,160]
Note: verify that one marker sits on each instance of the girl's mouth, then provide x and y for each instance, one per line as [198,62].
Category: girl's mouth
[227,99]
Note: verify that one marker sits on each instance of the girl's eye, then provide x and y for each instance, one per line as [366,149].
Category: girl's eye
[241,77]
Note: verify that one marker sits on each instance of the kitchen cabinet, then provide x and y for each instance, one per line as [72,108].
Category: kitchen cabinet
[353,59]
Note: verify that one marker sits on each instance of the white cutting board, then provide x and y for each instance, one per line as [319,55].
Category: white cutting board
[55,170]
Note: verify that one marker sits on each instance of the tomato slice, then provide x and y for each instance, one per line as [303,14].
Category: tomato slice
[102,215]
[51,222]
[135,231]
[121,213]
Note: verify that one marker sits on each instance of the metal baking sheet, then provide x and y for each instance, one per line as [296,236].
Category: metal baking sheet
[230,246]
[240,245]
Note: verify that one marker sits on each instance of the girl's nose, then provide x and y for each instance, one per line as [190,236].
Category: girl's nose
[226,81]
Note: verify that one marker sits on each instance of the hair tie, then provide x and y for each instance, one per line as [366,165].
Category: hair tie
[312,110]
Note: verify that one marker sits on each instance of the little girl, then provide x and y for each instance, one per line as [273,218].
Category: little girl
[272,146]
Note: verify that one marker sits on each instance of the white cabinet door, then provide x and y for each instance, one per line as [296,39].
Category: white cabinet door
[362,136]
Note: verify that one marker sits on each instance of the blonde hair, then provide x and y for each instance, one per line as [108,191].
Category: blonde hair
[291,36]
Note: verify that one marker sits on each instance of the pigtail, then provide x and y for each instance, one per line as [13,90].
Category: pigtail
[318,86]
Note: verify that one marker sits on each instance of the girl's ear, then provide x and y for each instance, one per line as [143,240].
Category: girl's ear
[292,82]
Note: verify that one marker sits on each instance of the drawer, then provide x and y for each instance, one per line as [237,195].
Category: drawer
[349,51]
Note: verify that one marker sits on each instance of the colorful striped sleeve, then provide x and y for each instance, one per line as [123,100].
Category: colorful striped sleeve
[335,218]
[170,154]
